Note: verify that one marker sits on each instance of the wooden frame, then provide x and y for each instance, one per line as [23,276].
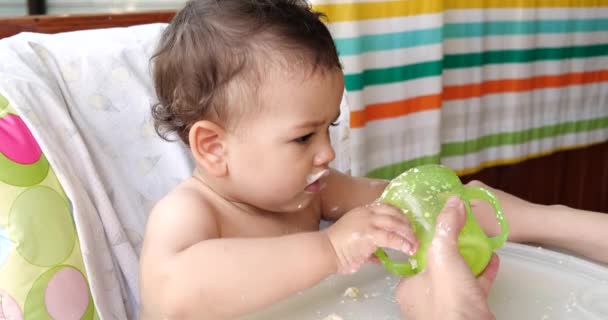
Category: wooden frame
[577,178]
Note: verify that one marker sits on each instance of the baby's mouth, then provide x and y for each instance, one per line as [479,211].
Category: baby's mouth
[313,180]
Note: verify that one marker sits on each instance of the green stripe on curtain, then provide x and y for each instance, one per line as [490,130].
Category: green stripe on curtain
[393,170]
[467,60]
[387,41]
[357,81]
[494,140]
[369,77]
[500,28]
[518,137]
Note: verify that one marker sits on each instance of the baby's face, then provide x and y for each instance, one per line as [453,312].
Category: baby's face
[278,158]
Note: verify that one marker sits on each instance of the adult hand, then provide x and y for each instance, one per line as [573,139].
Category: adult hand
[446,288]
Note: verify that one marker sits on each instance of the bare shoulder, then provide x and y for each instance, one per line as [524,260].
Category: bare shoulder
[181,219]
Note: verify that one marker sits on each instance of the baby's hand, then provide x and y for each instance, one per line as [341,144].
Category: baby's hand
[357,235]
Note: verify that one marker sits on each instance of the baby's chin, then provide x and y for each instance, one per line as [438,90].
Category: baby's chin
[288,198]
[301,201]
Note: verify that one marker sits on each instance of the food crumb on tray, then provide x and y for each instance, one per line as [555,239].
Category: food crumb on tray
[352,292]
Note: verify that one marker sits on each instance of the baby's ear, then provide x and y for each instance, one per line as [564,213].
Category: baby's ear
[209,147]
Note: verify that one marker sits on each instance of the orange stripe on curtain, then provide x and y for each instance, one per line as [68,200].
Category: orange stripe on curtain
[392,109]
[518,85]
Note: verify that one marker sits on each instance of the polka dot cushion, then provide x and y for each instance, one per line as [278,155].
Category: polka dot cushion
[42,273]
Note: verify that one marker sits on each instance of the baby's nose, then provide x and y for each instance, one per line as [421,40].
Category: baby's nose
[325,156]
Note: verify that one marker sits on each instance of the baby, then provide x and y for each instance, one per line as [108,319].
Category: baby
[253,87]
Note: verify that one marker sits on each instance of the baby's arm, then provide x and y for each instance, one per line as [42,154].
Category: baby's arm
[582,232]
[188,272]
[343,193]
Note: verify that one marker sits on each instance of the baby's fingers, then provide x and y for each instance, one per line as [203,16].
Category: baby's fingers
[387,239]
[398,225]
[386,209]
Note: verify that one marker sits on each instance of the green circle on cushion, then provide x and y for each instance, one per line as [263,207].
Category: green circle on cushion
[23,175]
[40,223]
[34,307]
[3,106]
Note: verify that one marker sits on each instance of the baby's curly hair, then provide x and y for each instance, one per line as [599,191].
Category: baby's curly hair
[212,56]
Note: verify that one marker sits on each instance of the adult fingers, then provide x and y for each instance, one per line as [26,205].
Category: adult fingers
[487,277]
[451,220]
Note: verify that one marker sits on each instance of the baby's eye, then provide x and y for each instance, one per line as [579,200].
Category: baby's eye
[335,123]
[303,139]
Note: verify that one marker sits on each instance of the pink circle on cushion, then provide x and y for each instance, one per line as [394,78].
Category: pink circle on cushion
[17,142]
[9,308]
[67,296]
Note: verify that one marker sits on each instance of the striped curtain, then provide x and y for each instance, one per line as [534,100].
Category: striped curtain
[470,83]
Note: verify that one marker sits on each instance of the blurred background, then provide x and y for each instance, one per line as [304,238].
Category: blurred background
[10,8]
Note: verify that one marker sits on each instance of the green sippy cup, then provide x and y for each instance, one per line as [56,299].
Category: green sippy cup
[421,193]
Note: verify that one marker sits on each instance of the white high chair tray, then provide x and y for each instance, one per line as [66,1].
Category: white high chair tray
[533,283]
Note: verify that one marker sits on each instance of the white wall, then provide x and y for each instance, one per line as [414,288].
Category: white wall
[96,6]
[19,7]
[13,8]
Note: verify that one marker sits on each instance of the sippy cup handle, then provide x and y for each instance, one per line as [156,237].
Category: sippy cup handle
[483,194]
[397,268]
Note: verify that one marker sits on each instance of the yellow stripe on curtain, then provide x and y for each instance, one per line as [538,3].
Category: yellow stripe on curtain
[338,12]
[375,10]
[485,4]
